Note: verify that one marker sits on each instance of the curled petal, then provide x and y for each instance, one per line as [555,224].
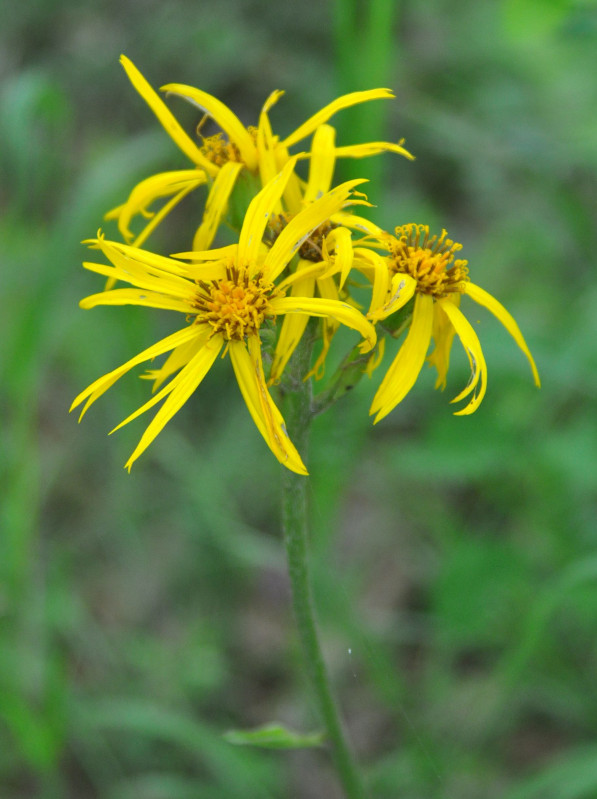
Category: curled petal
[472,347]
[340,311]
[222,115]
[497,309]
[402,288]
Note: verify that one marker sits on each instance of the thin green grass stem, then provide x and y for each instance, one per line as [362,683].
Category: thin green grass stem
[298,415]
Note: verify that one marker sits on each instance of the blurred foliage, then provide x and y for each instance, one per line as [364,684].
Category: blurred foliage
[455,559]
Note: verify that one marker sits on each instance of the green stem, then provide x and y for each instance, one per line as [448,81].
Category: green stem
[298,414]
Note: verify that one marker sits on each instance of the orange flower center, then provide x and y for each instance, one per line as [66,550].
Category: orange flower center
[235,306]
[429,259]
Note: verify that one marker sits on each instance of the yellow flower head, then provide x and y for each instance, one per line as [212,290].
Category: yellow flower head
[423,266]
[218,160]
[226,296]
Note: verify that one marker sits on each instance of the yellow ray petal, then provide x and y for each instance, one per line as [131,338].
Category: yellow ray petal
[179,390]
[150,299]
[321,164]
[216,254]
[102,384]
[341,311]
[293,193]
[167,119]
[147,191]
[327,289]
[329,110]
[472,347]
[443,335]
[222,115]
[292,328]
[248,369]
[403,373]
[358,223]
[176,360]
[300,227]
[157,264]
[258,213]
[266,144]
[216,204]
[375,268]
[497,309]
[340,239]
[402,288]
[372,148]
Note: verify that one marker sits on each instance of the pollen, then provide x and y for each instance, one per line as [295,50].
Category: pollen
[219,150]
[429,260]
[235,306]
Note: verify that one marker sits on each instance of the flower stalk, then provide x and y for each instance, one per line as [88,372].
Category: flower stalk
[298,413]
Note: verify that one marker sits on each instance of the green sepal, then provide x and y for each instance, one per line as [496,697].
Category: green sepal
[274,736]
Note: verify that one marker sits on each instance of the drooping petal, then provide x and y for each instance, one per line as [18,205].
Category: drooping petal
[178,390]
[497,309]
[321,164]
[300,227]
[167,119]
[216,204]
[403,373]
[147,191]
[248,369]
[258,214]
[402,288]
[150,299]
[341,311]
[292,328]
[472,347]
[102,384]
[223,117]
[372,148]
[329,110]
[443,335]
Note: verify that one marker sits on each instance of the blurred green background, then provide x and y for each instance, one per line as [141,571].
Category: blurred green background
[455,559]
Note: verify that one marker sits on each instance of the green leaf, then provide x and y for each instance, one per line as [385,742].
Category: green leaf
[274,736]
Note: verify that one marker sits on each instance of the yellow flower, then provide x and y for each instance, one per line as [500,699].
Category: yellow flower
[226,296]
[220,159]
[423,266]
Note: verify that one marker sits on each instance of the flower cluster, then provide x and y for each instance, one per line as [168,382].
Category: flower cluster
[298,245]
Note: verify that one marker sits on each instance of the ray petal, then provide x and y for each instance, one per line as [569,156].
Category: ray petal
[292,328]
[166,117]
[341,311]
[322,162]
[222,115]
[178,390]
[258,214]
[497,309]
[102,384]
[150,299]
[329,110]
[472,347]
[216,204]
[403,373]
[248,369]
